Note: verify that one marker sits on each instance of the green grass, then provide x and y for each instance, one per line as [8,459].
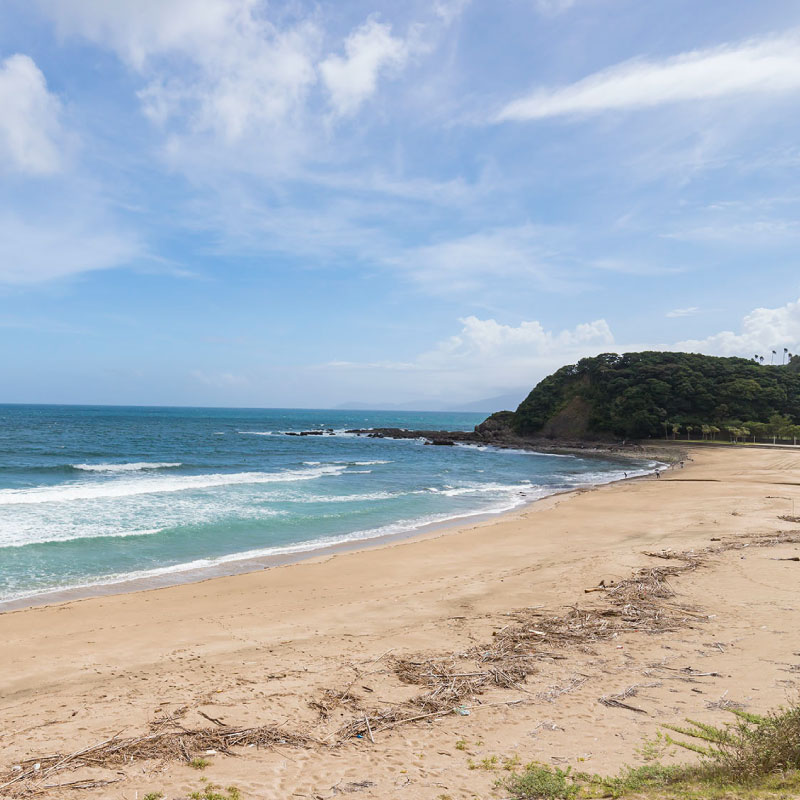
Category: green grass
[199,763]
[213,792]
[153,796]
[539,782]
[753,757]
[649,782]
[488,763]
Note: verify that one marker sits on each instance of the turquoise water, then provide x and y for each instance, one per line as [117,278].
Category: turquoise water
[97,495]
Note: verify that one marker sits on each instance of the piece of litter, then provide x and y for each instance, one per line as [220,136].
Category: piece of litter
[461,711]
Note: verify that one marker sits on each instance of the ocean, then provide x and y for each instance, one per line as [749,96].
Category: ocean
[94,496]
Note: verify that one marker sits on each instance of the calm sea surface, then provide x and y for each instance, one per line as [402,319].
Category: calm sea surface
[98,495]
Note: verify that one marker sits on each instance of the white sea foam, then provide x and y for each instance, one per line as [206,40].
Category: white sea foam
[608,476]
[111,533]
[341,498]
[396,528]
[120,518]
[481,488]
[137,466]
[147,485]
[318,432]
[513,451]
[349,463]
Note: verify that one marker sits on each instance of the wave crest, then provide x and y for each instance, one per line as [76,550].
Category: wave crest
[137,466]
[156,485]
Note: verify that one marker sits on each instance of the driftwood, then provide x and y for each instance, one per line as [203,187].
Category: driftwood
[617,700]
[168,741]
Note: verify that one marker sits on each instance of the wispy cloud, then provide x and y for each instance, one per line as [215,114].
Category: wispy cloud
[527,253]
[682,312]
[551,8]
[770,65]
[750,232]
[30,126]
[33,253]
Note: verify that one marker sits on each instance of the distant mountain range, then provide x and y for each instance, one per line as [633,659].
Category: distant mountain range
[501,402]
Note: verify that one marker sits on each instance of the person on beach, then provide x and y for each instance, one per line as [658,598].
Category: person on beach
[658,474]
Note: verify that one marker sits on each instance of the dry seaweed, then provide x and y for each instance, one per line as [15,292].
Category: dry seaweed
[167,741]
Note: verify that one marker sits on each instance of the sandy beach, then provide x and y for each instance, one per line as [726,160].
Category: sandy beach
[264,648]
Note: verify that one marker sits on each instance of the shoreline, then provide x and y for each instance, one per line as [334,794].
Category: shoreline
[242,564]
[266,648]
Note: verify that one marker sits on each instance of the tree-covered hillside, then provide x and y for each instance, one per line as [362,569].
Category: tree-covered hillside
[650,394]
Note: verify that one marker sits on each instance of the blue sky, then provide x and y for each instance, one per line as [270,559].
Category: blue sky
[235,202]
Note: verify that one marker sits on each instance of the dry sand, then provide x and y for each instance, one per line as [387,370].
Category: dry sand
[257,648]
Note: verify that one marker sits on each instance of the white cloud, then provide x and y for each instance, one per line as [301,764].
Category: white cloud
[751,232]
[488,341]
[29,121]
[552,8]
[140,29]
[762,330]
[31,253]
[369,50]
[449,10]
[485,357]
[465,264]
[682,312]
[758,66]
[213,66]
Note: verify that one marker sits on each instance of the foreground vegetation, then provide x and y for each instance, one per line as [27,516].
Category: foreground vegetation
[754,757]
[654,394]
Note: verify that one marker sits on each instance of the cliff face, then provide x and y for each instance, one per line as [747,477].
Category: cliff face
[640,395]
